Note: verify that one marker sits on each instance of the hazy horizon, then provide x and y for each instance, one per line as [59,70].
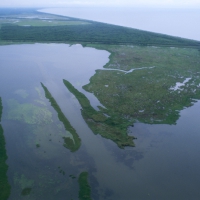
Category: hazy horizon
[183,4]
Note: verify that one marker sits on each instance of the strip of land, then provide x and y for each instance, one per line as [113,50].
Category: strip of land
[111,127]
[4,184]
[70,143]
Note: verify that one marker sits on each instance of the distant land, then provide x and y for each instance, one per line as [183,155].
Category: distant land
[171,21]
[58,30]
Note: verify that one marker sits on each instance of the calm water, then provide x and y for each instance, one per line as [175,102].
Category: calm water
[182,23]
[164,164]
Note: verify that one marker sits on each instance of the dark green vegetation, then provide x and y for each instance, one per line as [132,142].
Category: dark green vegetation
[4,185]
[111,127]
[89,32]
[150,95]
[71,143]
[84,191]
[37,145]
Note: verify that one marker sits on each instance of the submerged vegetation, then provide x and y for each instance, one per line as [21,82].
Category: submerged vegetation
[26,191]
[71,143]
[22,93]
[111,127]
[84,191]
[28,113]
[4,185]
[24,184]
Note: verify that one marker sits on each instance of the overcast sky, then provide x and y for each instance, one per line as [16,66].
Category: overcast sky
[133,3]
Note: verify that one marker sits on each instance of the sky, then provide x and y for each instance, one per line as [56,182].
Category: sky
[132,3]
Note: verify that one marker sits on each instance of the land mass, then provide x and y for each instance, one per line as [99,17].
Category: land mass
[73,143]
[28,25]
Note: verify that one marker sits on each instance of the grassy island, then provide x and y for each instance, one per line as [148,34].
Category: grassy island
[70,143]
[111,127]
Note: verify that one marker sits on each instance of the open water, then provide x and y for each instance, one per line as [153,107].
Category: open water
[164,164]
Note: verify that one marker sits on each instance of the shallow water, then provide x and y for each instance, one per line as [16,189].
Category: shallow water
[163,165]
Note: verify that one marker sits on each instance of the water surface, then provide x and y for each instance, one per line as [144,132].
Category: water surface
[163,165]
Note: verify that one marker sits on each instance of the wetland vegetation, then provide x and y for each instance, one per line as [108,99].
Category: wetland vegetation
[138,85]
[146,93]
[103,122]
[84,191]
[73,143]
[4,184]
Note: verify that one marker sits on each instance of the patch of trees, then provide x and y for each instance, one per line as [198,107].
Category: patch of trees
[94,32]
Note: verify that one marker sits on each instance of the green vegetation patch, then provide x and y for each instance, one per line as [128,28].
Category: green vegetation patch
[71,143]
[28,113]
[150,93]
[112,127]
[90,33]
[84,191]
[4,185]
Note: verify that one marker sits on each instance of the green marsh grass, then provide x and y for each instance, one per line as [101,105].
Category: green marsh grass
[72,144]
[112,127]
